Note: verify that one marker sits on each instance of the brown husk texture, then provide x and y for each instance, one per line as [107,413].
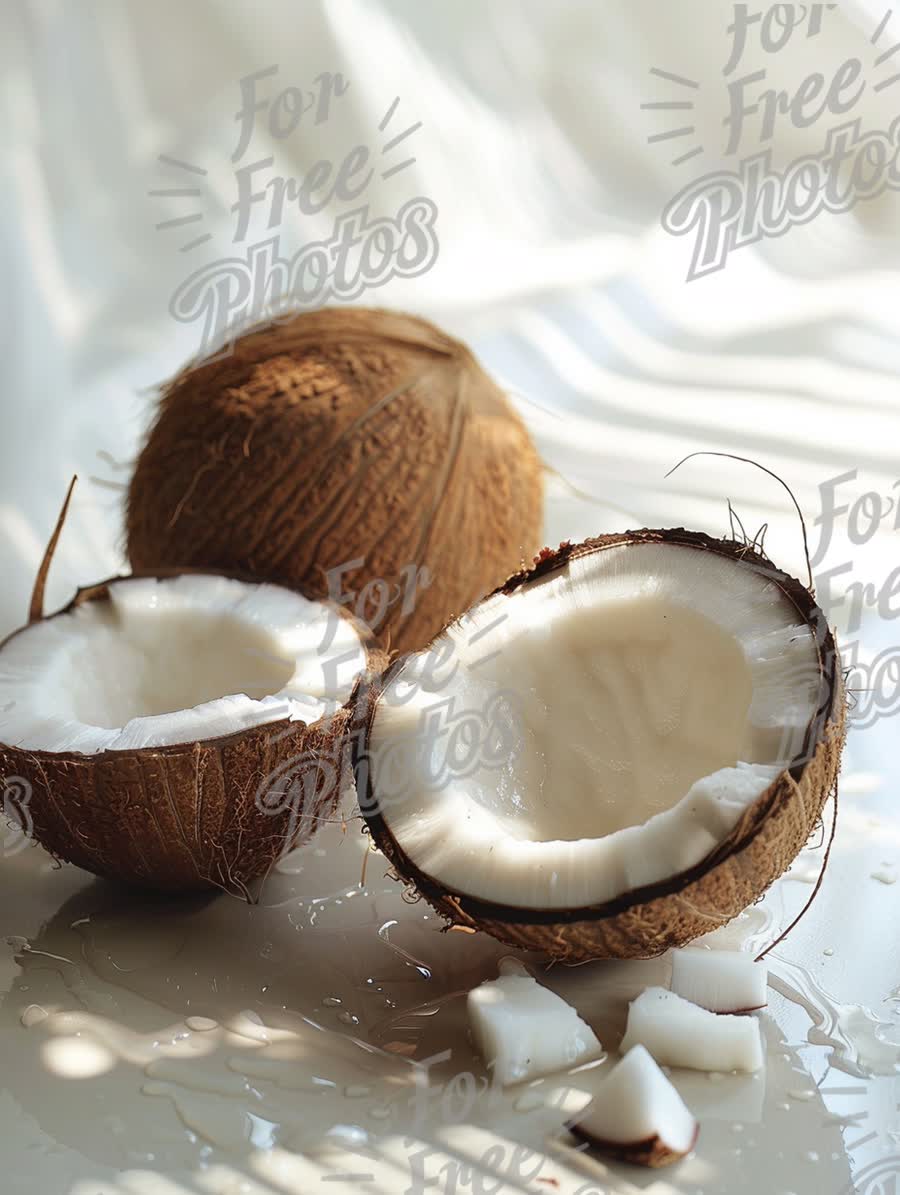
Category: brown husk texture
[648,921]
[216,813]
[341,435]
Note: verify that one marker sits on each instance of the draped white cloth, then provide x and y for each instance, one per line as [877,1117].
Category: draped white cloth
[553,262]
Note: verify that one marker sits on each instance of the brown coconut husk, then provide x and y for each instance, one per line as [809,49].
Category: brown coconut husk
[338,436]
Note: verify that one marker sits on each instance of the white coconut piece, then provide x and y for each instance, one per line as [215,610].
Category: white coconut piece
[723,981]
[678,1033]
[637,1115]
[523,1030]
[172,661]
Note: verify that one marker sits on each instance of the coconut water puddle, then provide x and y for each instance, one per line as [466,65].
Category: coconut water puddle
[234,1085]
[856,1038]
[88,995]
[267,1096]
[139,1004]
[423,1030]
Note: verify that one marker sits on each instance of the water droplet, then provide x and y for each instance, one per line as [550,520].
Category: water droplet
[737,1128]
[33,1015]
[829,951]
[332,1001]
[348,1134]
[348,1018]
[801,1093]
[201,1024]
[812,1156]
[409,959]
[884,877]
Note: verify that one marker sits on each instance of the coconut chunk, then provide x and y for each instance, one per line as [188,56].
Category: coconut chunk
[723,981]
[637,1115]
[678,1033]
[523,1030]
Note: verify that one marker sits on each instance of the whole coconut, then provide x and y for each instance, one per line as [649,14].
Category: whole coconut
[356,454]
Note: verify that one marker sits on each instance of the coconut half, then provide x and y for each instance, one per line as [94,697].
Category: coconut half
[616,752]
[637,1116]
[178,731]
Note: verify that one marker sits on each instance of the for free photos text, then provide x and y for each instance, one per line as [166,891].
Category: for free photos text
[727,209]
[363,250]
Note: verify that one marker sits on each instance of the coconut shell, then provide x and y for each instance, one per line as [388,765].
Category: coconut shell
[647,921]
[215,813]
[652,1153]
[340,437]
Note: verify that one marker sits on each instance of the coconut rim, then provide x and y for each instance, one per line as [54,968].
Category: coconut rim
[99,591]
[751,820]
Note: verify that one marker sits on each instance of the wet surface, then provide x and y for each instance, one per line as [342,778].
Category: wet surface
[159,1047]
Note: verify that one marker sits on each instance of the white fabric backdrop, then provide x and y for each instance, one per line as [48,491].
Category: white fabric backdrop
[552,259]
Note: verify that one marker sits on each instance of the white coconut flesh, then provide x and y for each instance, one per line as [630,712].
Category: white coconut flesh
[172,661]
[679,1033]
[728,981]
[598,730]
[523,1030]
[636,1104]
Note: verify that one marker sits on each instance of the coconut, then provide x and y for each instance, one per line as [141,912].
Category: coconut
[524,1031]
[637,1116]
[354,454]
[617,752]
[178,731]
[727,981]
[679,1033]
